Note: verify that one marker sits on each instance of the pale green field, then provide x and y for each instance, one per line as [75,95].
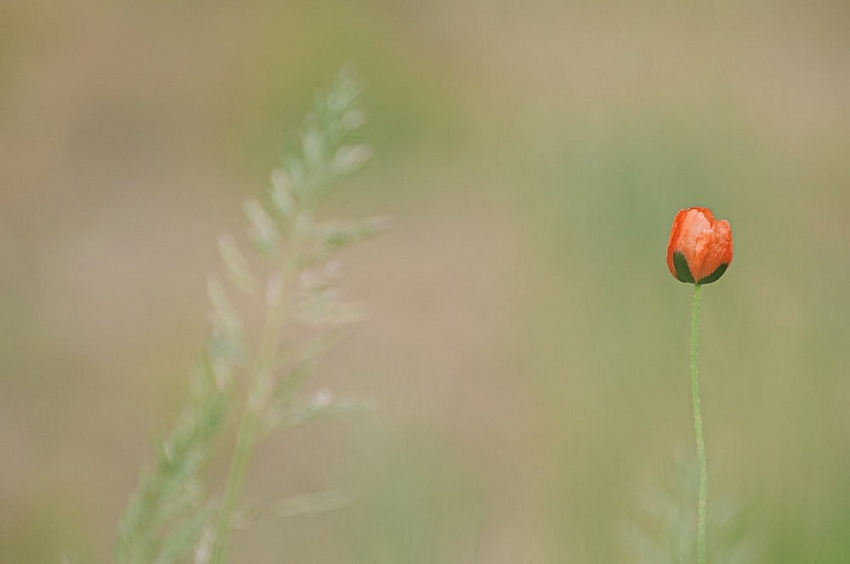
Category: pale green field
[525,342]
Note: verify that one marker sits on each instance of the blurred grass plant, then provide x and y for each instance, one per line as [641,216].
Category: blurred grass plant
[290,274]
[667,533]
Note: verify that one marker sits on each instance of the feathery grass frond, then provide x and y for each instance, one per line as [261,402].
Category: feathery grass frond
[291,274]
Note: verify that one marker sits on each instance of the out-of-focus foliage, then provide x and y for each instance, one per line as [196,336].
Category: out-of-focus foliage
[168,518]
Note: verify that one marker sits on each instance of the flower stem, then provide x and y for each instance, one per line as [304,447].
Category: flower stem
[701,460]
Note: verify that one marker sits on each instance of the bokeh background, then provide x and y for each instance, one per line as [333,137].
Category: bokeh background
[525,342]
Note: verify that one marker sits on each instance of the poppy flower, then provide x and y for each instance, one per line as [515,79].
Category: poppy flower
[700,247]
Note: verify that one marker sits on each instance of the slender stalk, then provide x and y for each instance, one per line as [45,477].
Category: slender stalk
[250,425]
[701,459]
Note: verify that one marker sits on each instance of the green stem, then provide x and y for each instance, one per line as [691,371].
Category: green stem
[701,460]
[250,425]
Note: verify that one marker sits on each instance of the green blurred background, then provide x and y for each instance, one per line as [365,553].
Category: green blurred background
[526,344]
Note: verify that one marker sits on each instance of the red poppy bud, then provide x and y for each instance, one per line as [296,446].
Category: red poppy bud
[700,248]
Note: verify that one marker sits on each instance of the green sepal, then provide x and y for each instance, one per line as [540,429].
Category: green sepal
[718,272]
[683,271]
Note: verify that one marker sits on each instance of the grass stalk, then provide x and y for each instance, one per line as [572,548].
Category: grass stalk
[169,515]
[250,424]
